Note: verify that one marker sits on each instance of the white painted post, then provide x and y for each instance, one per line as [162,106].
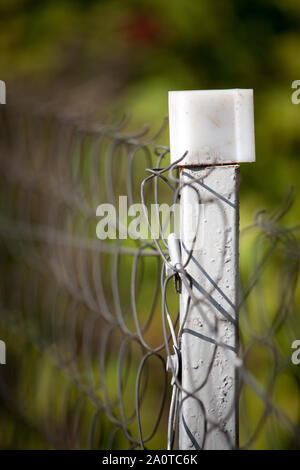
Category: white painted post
[2,352]
[2,92]
[216,128]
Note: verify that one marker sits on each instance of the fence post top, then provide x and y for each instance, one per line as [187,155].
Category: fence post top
[215,127]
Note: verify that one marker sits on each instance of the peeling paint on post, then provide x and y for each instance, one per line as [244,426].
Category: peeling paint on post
[211,418]
[2,352]
[216,129]
[2,92]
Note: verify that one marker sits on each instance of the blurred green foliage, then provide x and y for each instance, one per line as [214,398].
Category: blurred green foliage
[135,51]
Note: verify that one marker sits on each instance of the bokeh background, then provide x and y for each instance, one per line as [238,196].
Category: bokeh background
[88,56]
[91,58]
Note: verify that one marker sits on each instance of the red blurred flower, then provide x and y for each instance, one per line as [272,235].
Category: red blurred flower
[139,28]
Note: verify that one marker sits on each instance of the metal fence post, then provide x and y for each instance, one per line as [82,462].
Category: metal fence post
[216,130]
[2,92]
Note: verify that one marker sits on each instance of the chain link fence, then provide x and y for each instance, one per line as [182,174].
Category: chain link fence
[90,324]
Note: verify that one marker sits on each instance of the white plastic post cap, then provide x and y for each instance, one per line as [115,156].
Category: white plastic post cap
[212,126]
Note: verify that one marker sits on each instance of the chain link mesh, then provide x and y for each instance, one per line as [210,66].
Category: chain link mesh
[89,323]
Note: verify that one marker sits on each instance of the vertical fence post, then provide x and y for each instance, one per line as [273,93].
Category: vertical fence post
[216,130]
[2,92]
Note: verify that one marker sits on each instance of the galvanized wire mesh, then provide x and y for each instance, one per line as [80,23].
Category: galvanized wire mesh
[89,324]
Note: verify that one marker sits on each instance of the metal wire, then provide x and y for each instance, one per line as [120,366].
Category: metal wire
[90,323]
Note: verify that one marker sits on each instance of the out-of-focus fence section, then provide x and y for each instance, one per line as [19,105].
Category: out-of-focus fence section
[89,323]
[80,316]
